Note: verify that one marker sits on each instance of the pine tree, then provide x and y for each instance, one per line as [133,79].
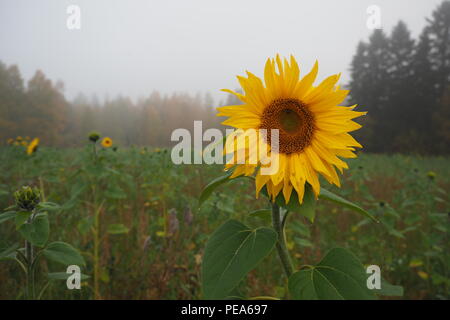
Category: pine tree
[438,31]
[401,113]
[369,87]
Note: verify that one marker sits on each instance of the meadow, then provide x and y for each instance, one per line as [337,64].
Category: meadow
[135,218]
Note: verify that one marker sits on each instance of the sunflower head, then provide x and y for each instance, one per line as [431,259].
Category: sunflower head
[94,137]
[431,175]
[27,198]
[33,146]
[312,127]
[107,142]
[10,141]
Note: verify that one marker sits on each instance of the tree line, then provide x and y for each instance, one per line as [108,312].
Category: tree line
[404,84]
[40,109]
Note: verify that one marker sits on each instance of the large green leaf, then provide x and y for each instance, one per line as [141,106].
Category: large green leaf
[340,275]
[21,218]
[307,208]
[328,195]
[231,252]
[7,216]
[63,253]
[37,231]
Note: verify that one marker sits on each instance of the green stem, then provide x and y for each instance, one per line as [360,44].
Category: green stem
[29,259]
[282,250]
[95,151]
[30,273]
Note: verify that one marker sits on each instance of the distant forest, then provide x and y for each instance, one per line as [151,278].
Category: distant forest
[403,83]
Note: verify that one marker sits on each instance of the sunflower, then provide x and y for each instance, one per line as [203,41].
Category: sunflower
[312,126]
[33,146]
[107,142]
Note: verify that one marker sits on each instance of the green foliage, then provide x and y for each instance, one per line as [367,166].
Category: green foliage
[37,231]
[63,253]
[32,223]
[117,229]
[327,195]
[413,205]
[231,252]
[338,276]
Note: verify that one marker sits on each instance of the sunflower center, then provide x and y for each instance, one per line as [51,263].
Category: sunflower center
[294,122]
[289,120]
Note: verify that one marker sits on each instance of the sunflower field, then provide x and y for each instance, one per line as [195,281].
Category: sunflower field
[135,220]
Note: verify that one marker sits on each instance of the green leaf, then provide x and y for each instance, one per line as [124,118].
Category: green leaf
[388,289]
[64,276]
[117,229]
[48,206]
[9,253]
[21,218]
[303,242]
[37,231]
[115,192]
[208,190]
[63,253]
[330,196]
[231,252]
[265,214]
[7,216]
[307,208]
[340,275]
[84,225]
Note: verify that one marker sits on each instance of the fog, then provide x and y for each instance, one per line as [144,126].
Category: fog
[134,47]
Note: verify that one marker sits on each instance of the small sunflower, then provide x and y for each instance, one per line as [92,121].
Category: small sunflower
[107,142]
[10,141]
[33,146]
[313,127]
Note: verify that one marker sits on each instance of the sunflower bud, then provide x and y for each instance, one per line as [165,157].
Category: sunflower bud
[27,198]
[431,175]
[94,136]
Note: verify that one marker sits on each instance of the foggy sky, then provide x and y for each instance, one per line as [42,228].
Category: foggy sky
[132,47]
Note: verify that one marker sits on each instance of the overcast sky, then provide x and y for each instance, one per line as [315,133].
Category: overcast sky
[132,47]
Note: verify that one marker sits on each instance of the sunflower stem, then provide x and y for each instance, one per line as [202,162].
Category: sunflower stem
[29,255]
[282,250]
